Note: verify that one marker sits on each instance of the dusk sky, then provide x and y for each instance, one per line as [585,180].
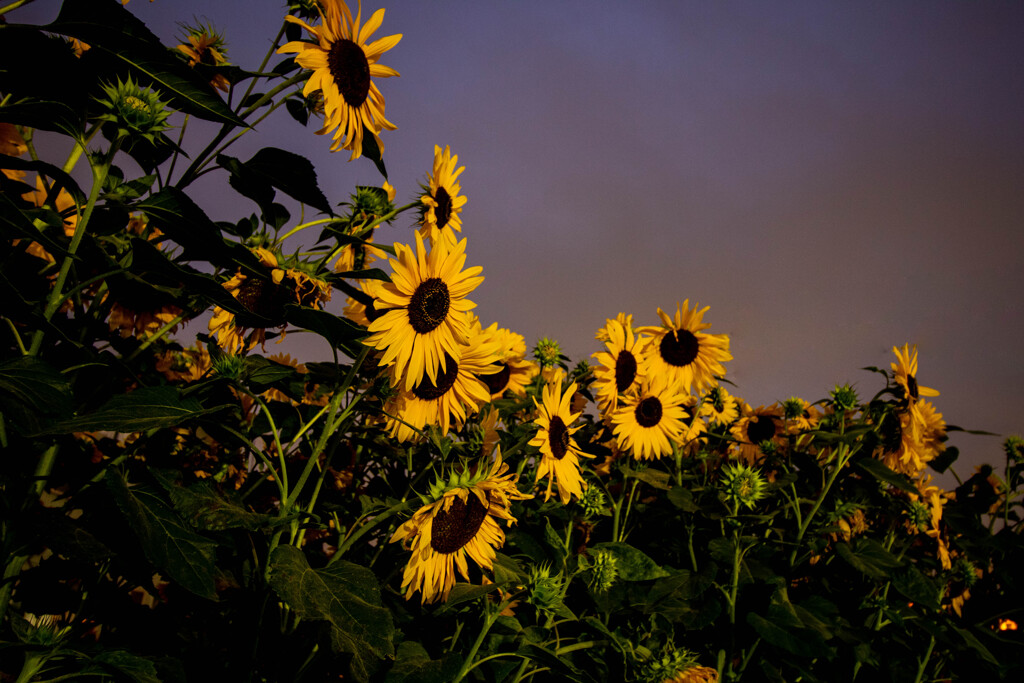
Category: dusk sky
[832,179]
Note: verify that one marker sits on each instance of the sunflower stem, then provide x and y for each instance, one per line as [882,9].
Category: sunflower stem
[491,617]
[924,660]
[177,152]
[14,5]
[845,453]
[266,59]
[349,540]
[55,298]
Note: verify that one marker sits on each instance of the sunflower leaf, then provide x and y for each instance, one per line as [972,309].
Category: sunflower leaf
[31,391]
[343,334]
[633,565]
[373,152]
[61,180]
[204,507]
[292,174]
[172,547]
[414,665]
[111,28]
[878,470]
[136,411]
[345,595]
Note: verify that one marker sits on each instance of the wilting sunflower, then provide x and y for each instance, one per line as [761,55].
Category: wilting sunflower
[650,423]
[679,348]
[756,426]
[620,367]
[442,202]
[511,371]
[343,65]
[454,394]
[461,521]
[428,306]
[560,454]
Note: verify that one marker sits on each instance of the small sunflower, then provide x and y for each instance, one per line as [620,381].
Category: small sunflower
[560,454]
[206,46]
[141,324]
[905,373]
[511,371]
[651,422]
[756,426]
[442,202]
[461,522]
[800,415]
[620,367]
[680,349]
[344,65]
[720,407]
[428,306]
[452,396]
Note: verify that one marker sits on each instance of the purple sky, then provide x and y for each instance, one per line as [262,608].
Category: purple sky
[833,179]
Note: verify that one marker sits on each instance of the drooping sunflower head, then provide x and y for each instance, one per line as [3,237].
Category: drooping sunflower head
[650,423]
[424,310]
[681,349]
[344,65]
[441,200]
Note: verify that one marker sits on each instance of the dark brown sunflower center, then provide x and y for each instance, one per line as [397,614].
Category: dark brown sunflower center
[428,391]
[496,382]
[760,429]
[648,412]
[350,70]
[457,526]
[558,438]
[679,348]
[429,305]
[912,386]
[625,371]
[443,212]
[265,300]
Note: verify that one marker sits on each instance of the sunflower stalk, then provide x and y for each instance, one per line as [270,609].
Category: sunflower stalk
[844,455]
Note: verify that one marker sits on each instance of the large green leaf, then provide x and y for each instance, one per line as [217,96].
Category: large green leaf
[342,333]
[345,595]
[878,470]
[414,665]
[107,26]
[137,411]
[204,507]
[276,168]
[869,556]
[917,587]
[31,393]
[802,642]
[633,565]
[125,664]
[173,548]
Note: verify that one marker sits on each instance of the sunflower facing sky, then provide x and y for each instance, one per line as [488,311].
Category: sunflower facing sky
[680,349]
[650,423]
[461,522]
[560,454]
[343,65]
[427,317]
[442,202]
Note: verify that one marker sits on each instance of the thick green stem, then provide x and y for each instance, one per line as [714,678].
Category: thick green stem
[467,663]
[844,457]
[14,5]
[924,661]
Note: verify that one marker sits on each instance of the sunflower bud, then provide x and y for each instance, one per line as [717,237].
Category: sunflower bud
[603,570]
[45,629]
[965,572]
[844,397]
[371,201]
[792,408]
[1014,447]
[593,502]
[133,111]
[545,590]
[672,665]
[228,366]
[548,352]
[919,515]
[743,484]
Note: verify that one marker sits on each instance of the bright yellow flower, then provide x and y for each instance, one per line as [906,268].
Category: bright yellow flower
[651,421]
[682,351]
[442,202]
[560,454]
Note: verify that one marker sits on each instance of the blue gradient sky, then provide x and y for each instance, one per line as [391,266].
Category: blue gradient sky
[833,179]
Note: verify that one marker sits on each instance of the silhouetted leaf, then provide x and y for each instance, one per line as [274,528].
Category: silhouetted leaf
[917,587]
[180,553]
[342,333]
[633,565]
[414,665]
[204,507]
[878,470]
[292,174]
[31,392]
[347,596]
[136,411]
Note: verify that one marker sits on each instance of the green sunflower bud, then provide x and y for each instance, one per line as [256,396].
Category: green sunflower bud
[1014,447]
[547,352]
[844,397]
[593,502]
[668,666]
[229,366]
[743,485]
[545,590]
[965,571]
[792,408]
[133,111]
[919,514]
[370,201]
[603,571]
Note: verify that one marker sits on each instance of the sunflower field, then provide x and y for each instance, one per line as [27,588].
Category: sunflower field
[438,501]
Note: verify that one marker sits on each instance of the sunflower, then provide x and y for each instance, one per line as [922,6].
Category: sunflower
[265,299]
[141,324]
[427,316]
[453,395]
[188,365]
[620,367]
[756,426]
[343,65]
[206,46]
[442,202]
[624,319]
[560,454]
[911,438]
[63,203]
[719,407]
[651,422]
[905,373]
[460,522]
[511,371]
[679,349]
[800,415]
